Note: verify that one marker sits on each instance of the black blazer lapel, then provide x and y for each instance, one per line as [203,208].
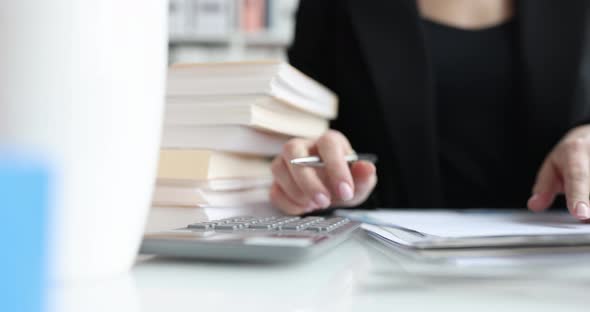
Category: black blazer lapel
[393,45]
[552,40]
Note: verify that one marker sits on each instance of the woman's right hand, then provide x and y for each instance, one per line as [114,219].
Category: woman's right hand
[298,189]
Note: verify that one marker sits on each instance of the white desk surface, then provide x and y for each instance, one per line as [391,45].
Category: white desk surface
[359,275]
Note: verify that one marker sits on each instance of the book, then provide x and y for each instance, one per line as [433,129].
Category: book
[205,164]
[237,139]
[255,196]
[178,196]
[233,192]
[252,17]
[258,111]
[164,218]
[185,196]
[273,78]
[219,185]
[211,193]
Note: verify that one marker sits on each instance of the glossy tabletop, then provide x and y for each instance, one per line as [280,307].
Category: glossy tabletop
[359,275]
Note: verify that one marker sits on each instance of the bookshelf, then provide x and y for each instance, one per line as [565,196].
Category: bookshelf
[229,30]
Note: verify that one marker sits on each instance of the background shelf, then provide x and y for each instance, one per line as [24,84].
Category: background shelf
[230,30]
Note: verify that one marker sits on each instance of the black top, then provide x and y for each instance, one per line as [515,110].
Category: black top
[373,54]
[477,103]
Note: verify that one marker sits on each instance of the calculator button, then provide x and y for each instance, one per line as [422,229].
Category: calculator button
[300,224]
[284,220]
[200,226]
[319,228]
[230,226]
[316,224]
[264,226]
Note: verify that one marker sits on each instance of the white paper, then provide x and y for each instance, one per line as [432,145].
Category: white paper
[457,224]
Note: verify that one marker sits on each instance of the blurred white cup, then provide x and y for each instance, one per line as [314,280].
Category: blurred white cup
[83,83]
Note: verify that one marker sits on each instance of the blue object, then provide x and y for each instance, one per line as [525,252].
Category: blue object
[23,215]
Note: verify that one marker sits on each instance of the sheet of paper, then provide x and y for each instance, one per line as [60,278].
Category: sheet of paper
[456,224]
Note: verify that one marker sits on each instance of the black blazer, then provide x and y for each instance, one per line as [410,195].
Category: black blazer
[372,54]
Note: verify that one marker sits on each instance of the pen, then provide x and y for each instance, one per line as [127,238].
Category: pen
[316,161]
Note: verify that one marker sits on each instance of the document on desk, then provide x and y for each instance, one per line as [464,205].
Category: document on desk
[444,229]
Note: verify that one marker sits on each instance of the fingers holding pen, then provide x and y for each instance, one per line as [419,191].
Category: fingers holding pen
[301,189]
[281,200]
[365,179]
[333,148]
[285,181]
[306,178]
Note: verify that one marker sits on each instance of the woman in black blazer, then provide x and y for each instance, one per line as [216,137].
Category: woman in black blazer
[467,103]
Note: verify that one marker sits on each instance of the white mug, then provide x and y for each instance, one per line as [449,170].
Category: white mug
[83,83]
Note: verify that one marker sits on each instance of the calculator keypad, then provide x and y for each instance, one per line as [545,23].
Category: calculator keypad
[315,224]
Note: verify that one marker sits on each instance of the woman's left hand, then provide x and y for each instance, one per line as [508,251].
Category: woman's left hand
[566,170]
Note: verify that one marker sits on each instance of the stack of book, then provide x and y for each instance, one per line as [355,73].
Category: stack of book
[223,124]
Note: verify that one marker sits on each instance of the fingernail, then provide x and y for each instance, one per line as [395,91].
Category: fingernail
[321,200]
[582,211]
[532,202]
[310,207]
[345,191]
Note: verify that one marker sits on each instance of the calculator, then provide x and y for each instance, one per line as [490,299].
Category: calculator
[249,238]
